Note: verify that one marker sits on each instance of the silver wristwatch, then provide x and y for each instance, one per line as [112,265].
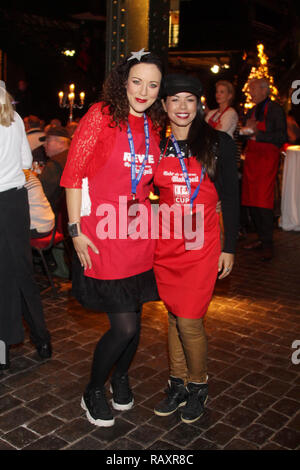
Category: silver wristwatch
[74,229]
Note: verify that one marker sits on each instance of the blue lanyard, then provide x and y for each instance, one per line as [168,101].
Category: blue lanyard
[136,179]
[186,175]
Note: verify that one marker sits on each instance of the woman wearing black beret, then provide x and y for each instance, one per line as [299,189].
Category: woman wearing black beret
[197,168]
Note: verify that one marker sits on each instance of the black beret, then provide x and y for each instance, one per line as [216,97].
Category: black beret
[177,83]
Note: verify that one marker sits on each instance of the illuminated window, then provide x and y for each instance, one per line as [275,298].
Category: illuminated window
[174,24]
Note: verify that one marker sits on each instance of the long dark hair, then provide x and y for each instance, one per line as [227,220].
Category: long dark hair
[114,94]
[203,142]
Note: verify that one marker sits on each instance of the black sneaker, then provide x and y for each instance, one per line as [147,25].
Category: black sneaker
[194,408]
[176,397]
[122,394]
[97,409]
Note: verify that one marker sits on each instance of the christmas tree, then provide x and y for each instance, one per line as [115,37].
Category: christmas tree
[262,71]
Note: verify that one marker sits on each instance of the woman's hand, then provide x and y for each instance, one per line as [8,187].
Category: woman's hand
[81,244]
[225,264]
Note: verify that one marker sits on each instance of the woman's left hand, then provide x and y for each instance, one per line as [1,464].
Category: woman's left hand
[225,264]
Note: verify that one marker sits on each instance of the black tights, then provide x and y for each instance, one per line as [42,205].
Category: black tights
[116,347]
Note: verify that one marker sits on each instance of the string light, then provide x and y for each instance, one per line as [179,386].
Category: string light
[69,53]
[262,71]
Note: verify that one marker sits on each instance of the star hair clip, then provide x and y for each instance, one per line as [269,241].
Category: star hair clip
[138,55]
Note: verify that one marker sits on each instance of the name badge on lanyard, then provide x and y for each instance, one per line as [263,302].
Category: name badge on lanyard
[136,178]
[186,175]
[193,223]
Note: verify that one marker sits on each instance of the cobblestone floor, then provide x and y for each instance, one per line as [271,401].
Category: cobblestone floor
[254,388]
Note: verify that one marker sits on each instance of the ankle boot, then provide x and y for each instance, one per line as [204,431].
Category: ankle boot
[176,397]
[197,397]
[122,393]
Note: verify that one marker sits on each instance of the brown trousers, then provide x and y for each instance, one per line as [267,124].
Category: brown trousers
[187,349]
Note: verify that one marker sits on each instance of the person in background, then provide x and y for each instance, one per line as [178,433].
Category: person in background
[33,131]
[224,118]
[41,214]
[267,124]
[57,142]
[116,146]
[53,123]
[19,293]
[71,127]
[197,168]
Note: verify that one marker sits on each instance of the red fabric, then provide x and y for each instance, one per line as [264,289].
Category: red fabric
[90,147]
[42,243]
[260,170]
[186,279]
[119,258]
[213,123]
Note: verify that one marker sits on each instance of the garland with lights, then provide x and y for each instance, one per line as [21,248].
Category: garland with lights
[262,71]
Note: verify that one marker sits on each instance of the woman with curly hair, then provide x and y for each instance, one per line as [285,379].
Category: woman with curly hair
[115,150]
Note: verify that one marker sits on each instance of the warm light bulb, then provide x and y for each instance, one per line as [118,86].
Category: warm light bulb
[60,96]
[72,87]
[82,96]
[215,69]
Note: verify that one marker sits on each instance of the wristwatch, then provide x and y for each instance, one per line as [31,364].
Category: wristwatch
[74,229]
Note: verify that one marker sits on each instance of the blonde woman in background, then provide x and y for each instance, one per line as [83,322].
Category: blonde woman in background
[19,293]
[224,118]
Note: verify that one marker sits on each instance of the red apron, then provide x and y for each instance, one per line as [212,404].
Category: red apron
[120,256]
[260,170]
[213,123]
[186,279]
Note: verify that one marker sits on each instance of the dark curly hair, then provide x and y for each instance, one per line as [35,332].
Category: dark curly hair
[114,94]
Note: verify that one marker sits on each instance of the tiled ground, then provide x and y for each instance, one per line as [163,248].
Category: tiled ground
[254,386]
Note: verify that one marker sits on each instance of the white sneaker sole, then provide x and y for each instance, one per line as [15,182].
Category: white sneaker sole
[118,406]
[168,413]
[105,423]
[188,421]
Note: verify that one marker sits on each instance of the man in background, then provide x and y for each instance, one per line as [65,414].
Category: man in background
[267,122]
[57,143]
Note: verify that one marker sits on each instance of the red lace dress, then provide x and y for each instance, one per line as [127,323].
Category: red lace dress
[121,276]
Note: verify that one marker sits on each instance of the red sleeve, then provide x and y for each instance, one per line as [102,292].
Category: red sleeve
[83,145]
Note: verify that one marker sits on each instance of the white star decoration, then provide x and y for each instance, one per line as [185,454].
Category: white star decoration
[138,55]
